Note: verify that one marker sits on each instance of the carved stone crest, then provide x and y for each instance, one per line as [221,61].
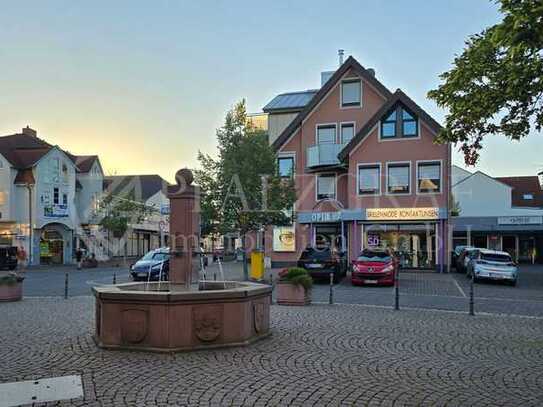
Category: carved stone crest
[207,322]
[133,325]
[258,317]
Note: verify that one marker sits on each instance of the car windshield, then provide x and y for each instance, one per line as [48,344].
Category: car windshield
[374,256]
[496,257]
[312,253]
[158,256]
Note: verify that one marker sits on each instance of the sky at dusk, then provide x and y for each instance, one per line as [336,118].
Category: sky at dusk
[145,84]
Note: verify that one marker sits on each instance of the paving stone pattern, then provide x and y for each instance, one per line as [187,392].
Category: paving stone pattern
[318,355]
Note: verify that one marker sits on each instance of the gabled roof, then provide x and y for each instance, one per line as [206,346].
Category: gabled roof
[524,185]
[24,150]
[291,101]
[350,63]
[83,162]
[397,97]
[148,185]
[482,174]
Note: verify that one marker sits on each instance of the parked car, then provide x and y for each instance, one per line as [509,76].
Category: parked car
[8,257]
[149,266]
[492,265]
[455,254]
[320,262]
[464,257]
[374,267]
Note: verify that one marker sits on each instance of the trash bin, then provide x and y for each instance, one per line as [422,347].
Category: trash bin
[257,265]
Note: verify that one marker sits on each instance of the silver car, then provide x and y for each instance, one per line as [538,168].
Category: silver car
[487,264]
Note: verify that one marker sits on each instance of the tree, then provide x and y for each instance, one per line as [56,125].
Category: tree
[496,85]
[119,211]
[242,191]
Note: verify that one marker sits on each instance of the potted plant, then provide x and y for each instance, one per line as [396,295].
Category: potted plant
[294,287]
[11,287]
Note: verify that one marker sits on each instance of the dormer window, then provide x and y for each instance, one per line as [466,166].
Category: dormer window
[351,93]
[399,123]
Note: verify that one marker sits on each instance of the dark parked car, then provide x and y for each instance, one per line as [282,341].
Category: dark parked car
[320,262]
[456,253]
[8,258]
[374,267]
[149,266]
[464,258]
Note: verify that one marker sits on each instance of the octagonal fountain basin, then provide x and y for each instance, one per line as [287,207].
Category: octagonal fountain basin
[170,317]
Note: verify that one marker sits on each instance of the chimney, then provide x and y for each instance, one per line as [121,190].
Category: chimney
[340,53]
[29,132]
[371,71]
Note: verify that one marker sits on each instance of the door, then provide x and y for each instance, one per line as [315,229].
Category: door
[509,245]
[526,249]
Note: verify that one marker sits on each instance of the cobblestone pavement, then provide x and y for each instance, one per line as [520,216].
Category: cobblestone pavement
[317,355]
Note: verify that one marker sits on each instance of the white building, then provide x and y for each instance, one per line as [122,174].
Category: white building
[49,189]
[148,233]
[504,213]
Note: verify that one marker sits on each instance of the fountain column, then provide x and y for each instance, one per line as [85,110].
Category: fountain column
[184,226]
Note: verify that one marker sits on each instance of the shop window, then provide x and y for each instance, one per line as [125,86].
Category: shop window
[429,177]
[326,134]
[369,177]
[285,166]
[347,132]
[398,179]
[350,92]
[326,186]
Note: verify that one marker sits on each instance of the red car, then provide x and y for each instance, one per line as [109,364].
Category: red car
[374,267]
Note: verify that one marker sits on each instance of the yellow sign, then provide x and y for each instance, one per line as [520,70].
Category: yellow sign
[402,213]
[284,239]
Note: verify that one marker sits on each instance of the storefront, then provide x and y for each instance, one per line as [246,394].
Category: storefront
[416,235]
[520,236]
[52,244]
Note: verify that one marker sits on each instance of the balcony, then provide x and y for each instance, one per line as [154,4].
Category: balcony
[323,154]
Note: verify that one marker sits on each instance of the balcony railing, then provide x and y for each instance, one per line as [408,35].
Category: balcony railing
[323,154]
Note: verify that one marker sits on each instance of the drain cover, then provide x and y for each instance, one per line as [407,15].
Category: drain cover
[40,390]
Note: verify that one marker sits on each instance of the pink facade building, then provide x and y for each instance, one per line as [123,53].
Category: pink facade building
[367,170]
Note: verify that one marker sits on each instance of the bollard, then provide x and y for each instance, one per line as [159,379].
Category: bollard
[331,298]
[471,296]
[215,275]
[114,277]
[396,290]
[66,286]
[271,278]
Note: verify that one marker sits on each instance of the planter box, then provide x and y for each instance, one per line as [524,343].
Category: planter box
[11,292]
[290,294]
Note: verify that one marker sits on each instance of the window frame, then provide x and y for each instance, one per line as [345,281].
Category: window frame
[399,124]
[369,165]
[56,196]
[327,175]
[346,124]
[286,157]
[350,105]
[325,126]
[423,162]
[398,164]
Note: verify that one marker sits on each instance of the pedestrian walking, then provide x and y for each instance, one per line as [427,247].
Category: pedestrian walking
[78,257]
[21,256]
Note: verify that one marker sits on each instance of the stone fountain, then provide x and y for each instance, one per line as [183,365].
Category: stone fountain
[181,315]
